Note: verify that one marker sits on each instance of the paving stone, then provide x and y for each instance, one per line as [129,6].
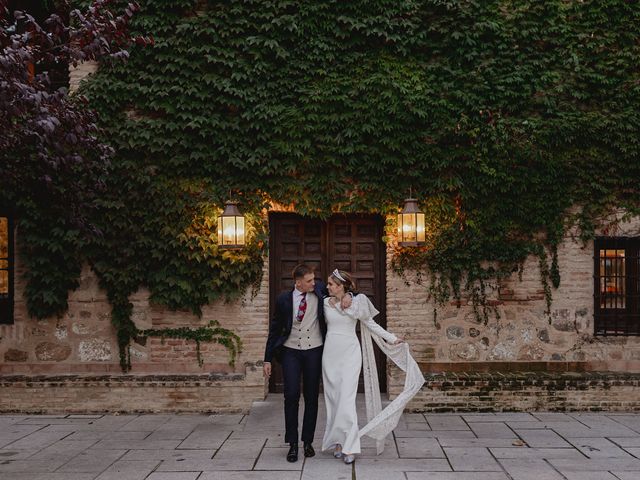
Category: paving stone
[170,433]
[498,417]
[552,417]
[446,422]
[30,466]
[96,435]
[471,459]
[168,454]
[598,447]
[276,459]
[413,418]
[542,438]
[456,476]
[419,448]
[12,433]
[226,419]
[528,425]
[540,453]
[365,466]
[591,476]
[10,454]
[92,461]
[440,434]
[492,430]
[626,475]
[173,476]
[250,448]
[206,436]
[480,442]
[530,469]
[250,476]
[48,476]
[626,441]
[128,470]
[600,424]
[111,444]
[37,440]
[323,469]
[597,465]
[205,465]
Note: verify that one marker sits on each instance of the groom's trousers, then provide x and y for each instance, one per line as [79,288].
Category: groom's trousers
[305,364]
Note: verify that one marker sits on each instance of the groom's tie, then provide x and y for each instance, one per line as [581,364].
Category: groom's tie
[302,308]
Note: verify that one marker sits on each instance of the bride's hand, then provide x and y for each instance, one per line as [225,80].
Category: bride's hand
[398,341]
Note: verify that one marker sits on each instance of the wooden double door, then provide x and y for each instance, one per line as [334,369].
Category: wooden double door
[347,242]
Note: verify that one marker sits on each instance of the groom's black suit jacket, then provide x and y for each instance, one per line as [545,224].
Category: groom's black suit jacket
[282,321]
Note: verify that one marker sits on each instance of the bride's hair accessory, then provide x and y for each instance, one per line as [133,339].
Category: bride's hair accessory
[336,274]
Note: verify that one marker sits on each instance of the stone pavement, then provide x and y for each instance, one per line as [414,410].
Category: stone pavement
[486,446]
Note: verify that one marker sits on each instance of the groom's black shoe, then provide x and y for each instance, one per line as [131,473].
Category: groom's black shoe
[308,450]
[292,456]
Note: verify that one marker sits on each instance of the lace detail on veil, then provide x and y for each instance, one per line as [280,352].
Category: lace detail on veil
[382,422]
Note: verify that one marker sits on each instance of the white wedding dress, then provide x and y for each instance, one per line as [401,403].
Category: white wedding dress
[341,363]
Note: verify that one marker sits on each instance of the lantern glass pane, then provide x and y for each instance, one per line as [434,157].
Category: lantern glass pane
[420,228]
[399,227]
[220,239]
[408,227]
[228,230]
[240,230]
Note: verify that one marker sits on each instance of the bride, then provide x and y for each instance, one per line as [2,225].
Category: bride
[341,364]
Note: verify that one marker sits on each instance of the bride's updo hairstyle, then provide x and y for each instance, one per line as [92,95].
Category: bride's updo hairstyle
[343,278]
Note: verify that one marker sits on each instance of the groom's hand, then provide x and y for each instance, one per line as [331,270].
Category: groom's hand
[266,369]
[346,301]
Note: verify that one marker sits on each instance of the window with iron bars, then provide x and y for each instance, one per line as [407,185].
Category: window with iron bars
[6,269]
[617,286]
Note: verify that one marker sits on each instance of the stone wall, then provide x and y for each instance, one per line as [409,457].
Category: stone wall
[82,345]
[83,342]
[522,333]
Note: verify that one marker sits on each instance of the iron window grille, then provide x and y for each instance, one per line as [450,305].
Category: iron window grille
[6,269]
[616,286]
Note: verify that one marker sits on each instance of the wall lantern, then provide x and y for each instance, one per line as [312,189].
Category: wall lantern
[411,232]
[231,227]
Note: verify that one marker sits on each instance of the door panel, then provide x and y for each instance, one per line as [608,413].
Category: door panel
[347,242]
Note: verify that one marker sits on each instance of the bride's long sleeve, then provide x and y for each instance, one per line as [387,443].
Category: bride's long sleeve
[361,309]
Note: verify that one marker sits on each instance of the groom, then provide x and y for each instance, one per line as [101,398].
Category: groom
[296,336]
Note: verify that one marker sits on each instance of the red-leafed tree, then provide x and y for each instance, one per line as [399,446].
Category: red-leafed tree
[50,155]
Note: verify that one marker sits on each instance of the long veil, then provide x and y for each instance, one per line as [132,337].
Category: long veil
[380,422]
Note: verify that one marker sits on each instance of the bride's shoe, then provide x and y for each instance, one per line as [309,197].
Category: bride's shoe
[348,459]
[337,451]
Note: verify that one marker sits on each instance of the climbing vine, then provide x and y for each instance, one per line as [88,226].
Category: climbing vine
[504,117]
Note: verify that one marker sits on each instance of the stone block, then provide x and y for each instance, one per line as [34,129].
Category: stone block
[455,332]
[53,352]
[95,350]
[13,355]
[466,351]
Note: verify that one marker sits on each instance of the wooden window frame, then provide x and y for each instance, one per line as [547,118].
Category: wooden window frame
[7,303]
[614,320]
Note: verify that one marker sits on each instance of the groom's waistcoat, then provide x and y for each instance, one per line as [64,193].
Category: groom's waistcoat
[306,334]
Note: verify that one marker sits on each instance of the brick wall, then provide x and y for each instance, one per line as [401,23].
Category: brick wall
[523,333]
[82,343]
[131,393]
[511,392]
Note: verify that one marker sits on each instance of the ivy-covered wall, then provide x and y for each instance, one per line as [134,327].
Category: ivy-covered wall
[498,115]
